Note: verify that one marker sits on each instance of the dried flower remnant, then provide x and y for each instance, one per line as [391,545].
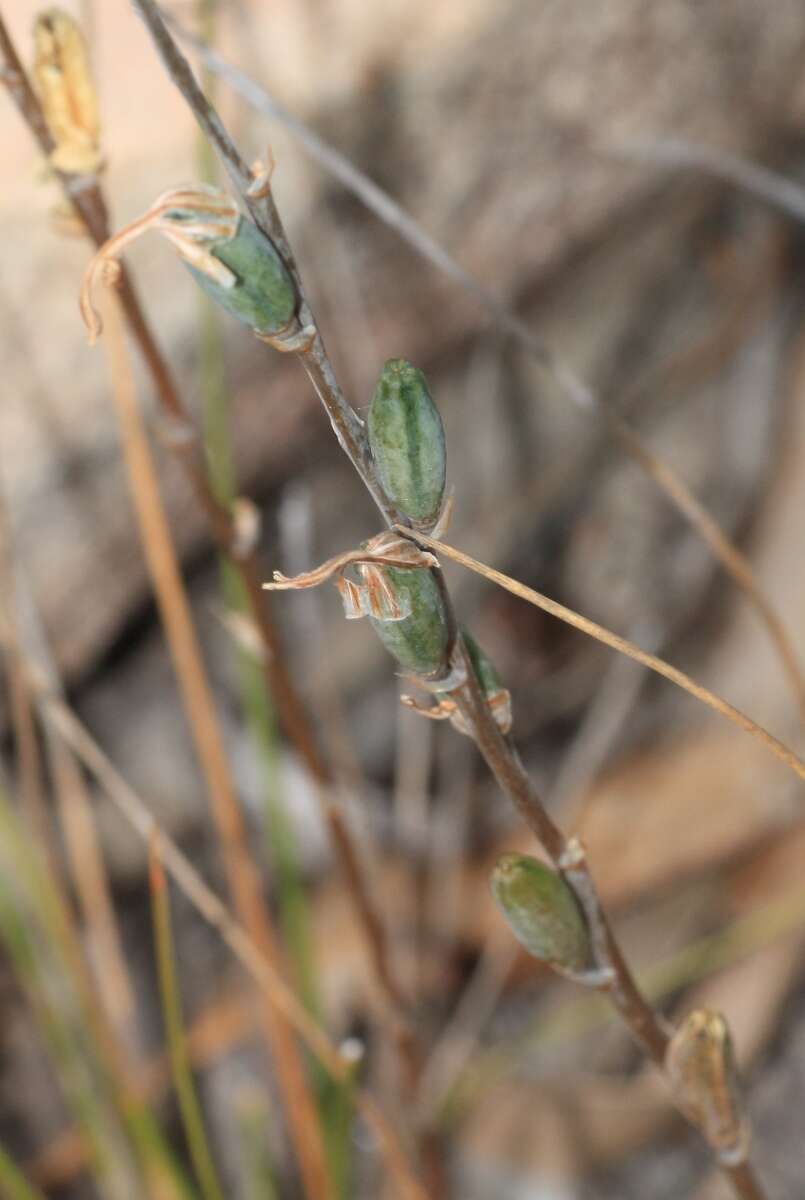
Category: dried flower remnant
[542,913]
[497,697]
[701,1064]
[407,441]
[398,593]
[67,93]
[227,254]
[420,641]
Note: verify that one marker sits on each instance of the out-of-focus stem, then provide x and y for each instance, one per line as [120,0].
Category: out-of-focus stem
[192,1118]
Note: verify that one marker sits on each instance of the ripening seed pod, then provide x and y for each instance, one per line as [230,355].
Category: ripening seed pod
[541,911]
[419,641]
[406,437]
[232,260]
[263,295]
[484,667]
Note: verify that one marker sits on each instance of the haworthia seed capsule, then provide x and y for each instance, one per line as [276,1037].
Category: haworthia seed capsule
[406,437]
[484,668]
[232,260]
[541,911]
[263,295]
[701,1064]
[419,642]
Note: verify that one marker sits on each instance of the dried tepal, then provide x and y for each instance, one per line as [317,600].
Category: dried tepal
[230,258]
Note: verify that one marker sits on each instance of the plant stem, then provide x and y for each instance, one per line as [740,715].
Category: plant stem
[85,193]
[13,1184]
[189,1107]
[243,877]
[499,754]
[281,997]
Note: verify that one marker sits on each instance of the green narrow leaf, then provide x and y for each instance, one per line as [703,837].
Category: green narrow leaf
[189,1107]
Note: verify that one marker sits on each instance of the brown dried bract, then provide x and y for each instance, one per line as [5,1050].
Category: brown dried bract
[373,596]
[67,93]
[701,1067]
[191,218]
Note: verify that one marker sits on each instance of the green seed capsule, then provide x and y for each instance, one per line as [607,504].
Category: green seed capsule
[419,642]
[541,911]
[264,295]
[484,668]
[406,436]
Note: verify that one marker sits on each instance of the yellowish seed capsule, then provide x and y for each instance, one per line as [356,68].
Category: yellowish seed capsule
[66,92]
[701,1065]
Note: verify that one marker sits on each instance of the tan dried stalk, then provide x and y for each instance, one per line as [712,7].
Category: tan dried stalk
[279,995]
[91,882]
[30,780]
[86,195]
[103,992]
[614,977]
[243,876]
[779,749]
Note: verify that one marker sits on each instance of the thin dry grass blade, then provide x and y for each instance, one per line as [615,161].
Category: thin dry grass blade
[85,859]
[189,1106]
[244,948]
[782,193]
[30,779]
[593,630]
[735,563]
[91,882]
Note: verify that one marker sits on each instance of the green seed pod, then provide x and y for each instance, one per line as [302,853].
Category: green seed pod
[419,641]
[541,911]
[236,264]
[407,441]
[484,668]
[263,296]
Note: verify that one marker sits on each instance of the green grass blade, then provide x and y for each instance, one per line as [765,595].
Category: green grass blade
[189,1107]
[13,1184]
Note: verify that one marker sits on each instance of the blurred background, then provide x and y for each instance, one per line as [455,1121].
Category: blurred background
[523,138]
